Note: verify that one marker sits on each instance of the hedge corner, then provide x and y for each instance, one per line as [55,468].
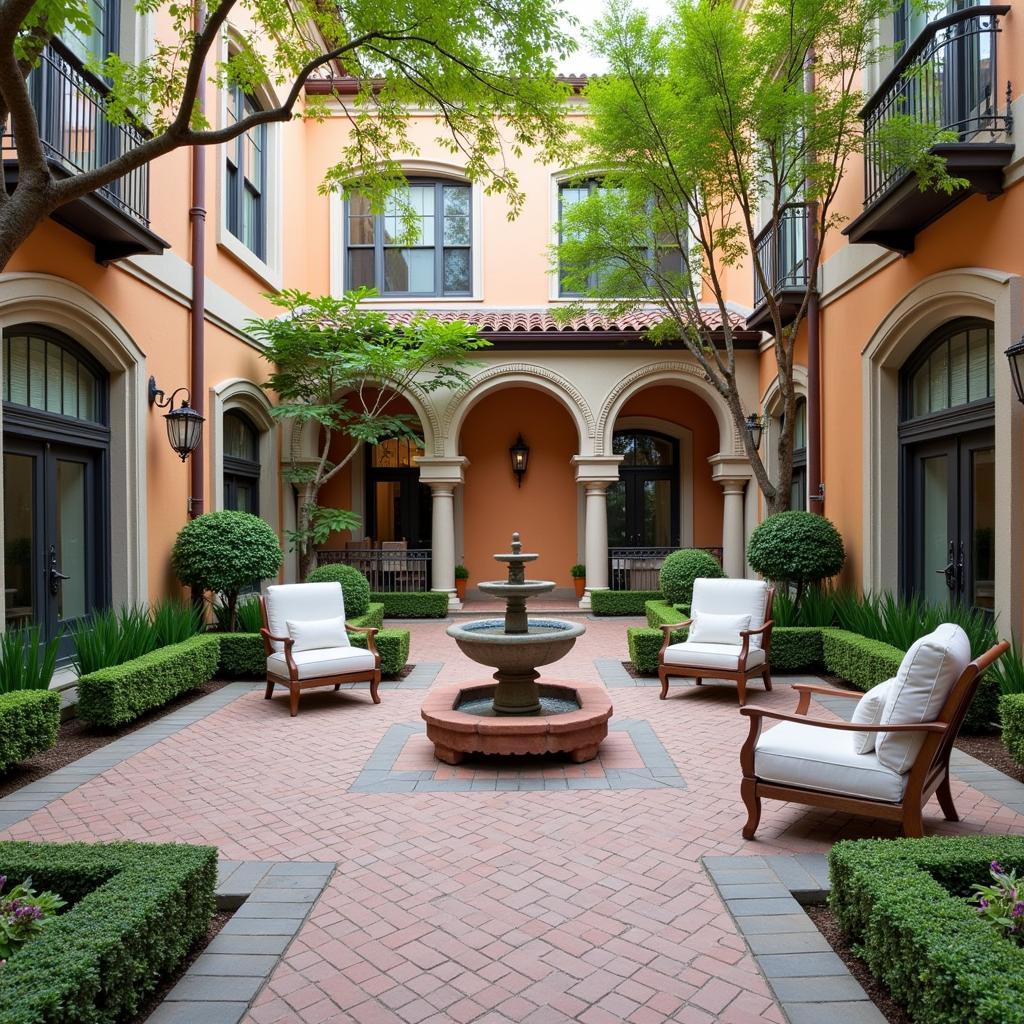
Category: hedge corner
[1011,714]
[29,721]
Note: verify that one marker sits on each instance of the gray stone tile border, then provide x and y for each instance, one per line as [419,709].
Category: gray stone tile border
[765,895]
[271,900]
[614,675]
[378,774]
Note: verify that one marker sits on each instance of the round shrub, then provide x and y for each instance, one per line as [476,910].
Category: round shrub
[224,552]
[354,586]
[796,547]
[681,568]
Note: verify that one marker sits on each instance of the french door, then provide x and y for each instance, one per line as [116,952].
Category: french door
[949,531]
[55,549]
[643,504]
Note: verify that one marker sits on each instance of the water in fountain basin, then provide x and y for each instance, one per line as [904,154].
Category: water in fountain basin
[536,627]
[484,707]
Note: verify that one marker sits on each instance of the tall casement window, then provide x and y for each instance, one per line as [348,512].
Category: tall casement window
[947,440]
[798,487]
[102,36]
[245,192]
[56,504]
[643,505]
[435,258]
[398,506]
[241,463]
[663,253]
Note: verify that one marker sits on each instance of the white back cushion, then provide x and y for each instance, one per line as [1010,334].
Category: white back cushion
[869,711]
[926,675]
[318,634]
[709,628]
[301,602]
[732,597]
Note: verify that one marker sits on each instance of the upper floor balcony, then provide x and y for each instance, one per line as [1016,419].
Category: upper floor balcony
[70,105]
[781,251]
[947,79]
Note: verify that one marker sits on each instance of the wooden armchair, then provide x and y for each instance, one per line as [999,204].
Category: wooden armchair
[322,655]
[723,659]
[827,771]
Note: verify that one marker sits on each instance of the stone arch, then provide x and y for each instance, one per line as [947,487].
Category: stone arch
[970,291]
[59,303]
[528,375]
[684,374]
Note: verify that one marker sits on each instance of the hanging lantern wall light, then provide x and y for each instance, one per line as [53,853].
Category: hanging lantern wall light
[520,455]
[756,427]
[184,424]
[1015,354]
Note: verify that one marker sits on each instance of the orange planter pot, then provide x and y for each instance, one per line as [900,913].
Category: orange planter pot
[581,584]
[460,589]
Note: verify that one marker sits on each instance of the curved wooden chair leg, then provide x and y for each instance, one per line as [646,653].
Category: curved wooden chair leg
[913,825]
[664,683]
[767,677]
[270,690]
[741,688]
[698,681]
[337,687]
[748,790]
[374,686]
[945,798]
[294,700]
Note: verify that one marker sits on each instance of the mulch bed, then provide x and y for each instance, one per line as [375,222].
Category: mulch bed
[877,991]
[635,673]
[990,749]
[220,918]
[76,739]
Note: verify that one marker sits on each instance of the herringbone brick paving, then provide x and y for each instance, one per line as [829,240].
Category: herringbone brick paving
[536,906]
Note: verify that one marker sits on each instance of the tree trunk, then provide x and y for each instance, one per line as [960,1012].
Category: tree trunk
[25,209]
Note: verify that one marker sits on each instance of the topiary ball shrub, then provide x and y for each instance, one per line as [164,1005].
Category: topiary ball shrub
[224,552]
[681,568]
[355,587]
[796,547]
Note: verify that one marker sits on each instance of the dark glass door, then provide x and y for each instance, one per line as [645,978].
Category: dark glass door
[949,533]
[643,505]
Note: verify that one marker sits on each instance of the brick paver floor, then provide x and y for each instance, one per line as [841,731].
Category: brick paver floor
[522,906]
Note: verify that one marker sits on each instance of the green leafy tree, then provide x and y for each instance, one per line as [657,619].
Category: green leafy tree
[486,70]
[705,127]
[338,369]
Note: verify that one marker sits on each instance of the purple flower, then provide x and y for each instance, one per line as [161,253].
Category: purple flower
[3,882]
[997,867]
[1018,909]
[983,903]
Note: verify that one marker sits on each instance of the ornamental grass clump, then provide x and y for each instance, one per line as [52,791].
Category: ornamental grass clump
[23,915]
[26,662]
[1002,904]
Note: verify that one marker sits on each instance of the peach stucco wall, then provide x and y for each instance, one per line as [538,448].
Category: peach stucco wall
[543,510]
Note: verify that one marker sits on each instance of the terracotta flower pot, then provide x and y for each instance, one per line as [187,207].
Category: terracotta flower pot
[460,589]
[580,583]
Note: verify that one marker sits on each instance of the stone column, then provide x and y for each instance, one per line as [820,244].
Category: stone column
[596,473]
[443,475]
[734,551]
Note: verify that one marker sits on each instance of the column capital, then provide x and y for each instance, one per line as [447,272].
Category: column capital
[733,468]
[732,485]
[596,469]
[442,470]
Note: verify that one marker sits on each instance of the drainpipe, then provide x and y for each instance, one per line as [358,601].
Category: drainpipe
[197,313]
[815,488]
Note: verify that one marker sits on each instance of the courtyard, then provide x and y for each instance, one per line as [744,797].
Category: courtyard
[492,891]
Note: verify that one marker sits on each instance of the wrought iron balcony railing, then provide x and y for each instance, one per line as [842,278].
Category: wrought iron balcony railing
[781,250]
[639,568]
[946,79]
[406,570]
[70,105]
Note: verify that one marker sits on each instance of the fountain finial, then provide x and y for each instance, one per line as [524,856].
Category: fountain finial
[517,545]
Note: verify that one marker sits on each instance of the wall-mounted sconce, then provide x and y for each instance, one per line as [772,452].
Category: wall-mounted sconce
[756,427]
[520,455]
[1015,354]
[184,424]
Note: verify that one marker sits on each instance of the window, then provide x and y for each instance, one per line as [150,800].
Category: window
[436,260]
[41,373]
[245,192]
[663,252]
[956,369]
[101,37]
[798,485]
[241,463]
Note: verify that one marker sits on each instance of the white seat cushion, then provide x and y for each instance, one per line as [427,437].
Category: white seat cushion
[732,597]
[711,656]
[869,711]
[824,759]
[926,675]
[329,661]
[303,602]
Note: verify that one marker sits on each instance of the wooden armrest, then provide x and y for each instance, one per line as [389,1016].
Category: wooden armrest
[675,625]
[828,691]
[361,629]
[286,640]
[755,712]
[754,632]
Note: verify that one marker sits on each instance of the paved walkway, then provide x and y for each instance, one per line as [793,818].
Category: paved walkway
[549,901]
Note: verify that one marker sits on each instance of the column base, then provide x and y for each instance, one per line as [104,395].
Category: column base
[454,604]
[585,604]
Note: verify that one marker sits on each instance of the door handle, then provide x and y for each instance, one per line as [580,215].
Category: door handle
[56,576]
[949,569]
[960,569]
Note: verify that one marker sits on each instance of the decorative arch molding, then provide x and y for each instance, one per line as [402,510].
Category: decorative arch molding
[506,375]
[993,295]
[59,303]
[249,398]
[683,374]
[771,401]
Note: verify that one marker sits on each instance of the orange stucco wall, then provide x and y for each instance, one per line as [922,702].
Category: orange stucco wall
[543,510]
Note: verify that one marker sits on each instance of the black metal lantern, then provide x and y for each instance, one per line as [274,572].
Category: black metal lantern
[520,454]
[1015,353]
[756,426]
[184,424]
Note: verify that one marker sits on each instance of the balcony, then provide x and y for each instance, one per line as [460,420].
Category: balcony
[69,102]
[947,79]
[781,250]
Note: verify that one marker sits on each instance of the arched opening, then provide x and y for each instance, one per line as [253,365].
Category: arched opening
[56,459]
[241,463]
[948,465]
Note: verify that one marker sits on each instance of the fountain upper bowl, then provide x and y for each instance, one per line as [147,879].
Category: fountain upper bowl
[487,643]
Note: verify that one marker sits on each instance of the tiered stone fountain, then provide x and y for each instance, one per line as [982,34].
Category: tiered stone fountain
[516,714]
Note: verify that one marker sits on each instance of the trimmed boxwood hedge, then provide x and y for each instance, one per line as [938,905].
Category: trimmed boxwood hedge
[29,721]
[661,613]
[621,602]
[393,645]
[902,902]
[428,604]
[137,910]
[121,693]
[1011,714]
[796,649]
